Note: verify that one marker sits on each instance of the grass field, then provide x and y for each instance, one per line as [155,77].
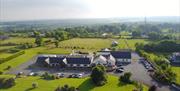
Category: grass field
[5,47]
[19,40]
[177,71]
[130,43]
[29,53]
[84,84]
[3,53]
[96,44]
[88,44]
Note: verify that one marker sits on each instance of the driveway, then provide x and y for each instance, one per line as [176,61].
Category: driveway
[140,74]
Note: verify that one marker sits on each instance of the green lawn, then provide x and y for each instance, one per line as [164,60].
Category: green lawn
[177,71]
[84,84]
[29,53]
[130,43]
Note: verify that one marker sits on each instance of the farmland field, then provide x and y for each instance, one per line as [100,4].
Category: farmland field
[130,43]
[86,43]
[4,55]
[84,84]
[19,40]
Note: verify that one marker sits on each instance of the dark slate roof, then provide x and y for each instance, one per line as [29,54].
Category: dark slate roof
[120,54]
[56,60]
[41,59]
[78,60]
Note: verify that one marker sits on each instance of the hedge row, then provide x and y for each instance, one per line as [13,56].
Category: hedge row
[2,60]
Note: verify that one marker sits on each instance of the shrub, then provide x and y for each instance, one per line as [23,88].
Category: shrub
[125,78]
[48,76]
[152,88]
[1,72]
[7,82]
[34,84]
[66,88]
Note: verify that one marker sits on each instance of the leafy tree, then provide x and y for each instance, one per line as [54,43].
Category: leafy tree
[7,82]
[125,78]
[34,84]
[56,44]
[154,36]
[38,41]
[36,33]
[136,33]
[98,75]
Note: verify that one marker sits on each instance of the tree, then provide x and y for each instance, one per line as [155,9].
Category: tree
[56,43]
[152,88]
[7,82]
[98,75]
[36,33]
[154,36]
[136,33]
[34,84]
[38,41]
[125,78]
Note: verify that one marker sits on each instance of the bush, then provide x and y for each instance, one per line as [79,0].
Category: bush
[1,72]
[48,76]
[34,85]
[152,88]
[66,88]
[7,82]
[126,78]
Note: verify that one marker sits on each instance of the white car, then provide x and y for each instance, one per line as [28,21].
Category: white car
[80,75]
[31,74]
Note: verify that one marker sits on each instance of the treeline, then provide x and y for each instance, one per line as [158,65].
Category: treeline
[161,46]
[153,31]
[2,60]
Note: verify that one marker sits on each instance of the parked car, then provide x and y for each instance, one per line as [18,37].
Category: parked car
[79,75]
[150,69]
[60,75]
[72,76]
[119,70]
[31,74]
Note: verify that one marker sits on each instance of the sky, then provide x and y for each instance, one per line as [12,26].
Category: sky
[12,10]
